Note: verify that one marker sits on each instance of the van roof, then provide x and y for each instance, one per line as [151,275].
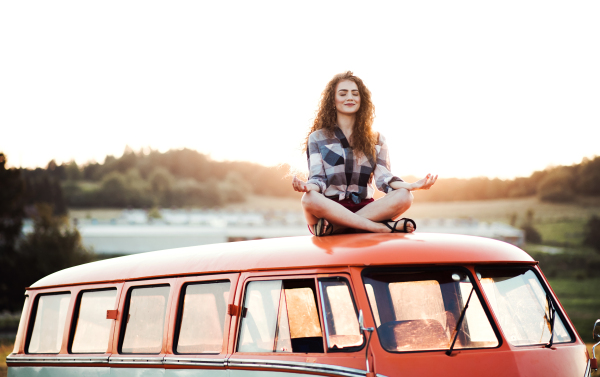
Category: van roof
[372,249]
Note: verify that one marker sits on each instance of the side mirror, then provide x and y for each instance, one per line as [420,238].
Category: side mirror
[596,332]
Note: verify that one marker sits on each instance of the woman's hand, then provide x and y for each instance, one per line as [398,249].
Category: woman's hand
[425,183]
[302,186]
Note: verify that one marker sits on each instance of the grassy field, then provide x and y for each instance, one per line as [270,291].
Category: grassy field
[6,347]
[581,300]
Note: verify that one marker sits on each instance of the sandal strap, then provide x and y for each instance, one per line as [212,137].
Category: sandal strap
[393,229]
[405,220]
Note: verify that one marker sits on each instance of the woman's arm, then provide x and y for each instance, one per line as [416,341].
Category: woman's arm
[382,174]
[317,179]
[421,184]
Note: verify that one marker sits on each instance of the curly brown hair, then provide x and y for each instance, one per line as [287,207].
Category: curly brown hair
[363,139]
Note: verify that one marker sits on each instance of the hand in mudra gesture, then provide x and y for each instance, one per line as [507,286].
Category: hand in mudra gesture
[425,183]
[302,186]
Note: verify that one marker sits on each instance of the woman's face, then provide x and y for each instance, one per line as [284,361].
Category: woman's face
[347,97]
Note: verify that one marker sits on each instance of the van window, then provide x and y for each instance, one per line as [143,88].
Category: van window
[419,310]
[204,309]
[21,327]
[341,317]
[281,316]
[49,325]
[92,330]
[145,320]
[520,303]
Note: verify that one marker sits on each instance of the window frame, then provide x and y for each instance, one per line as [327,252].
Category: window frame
[181,289]
[348,281]
[121,322]
[547,289]
[34,302]
[467,270]
[23,324]
[240,302]
[75,318]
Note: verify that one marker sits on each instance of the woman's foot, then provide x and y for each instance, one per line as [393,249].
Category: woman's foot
[404,225]
[322,228]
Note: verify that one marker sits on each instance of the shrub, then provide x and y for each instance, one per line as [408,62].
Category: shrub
[557,186]
[592,233]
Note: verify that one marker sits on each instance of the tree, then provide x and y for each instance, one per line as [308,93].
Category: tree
[531,234]
[592,233]
[11,222]
[52,246]
[557,186]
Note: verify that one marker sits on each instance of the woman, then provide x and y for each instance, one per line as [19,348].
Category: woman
[345,156]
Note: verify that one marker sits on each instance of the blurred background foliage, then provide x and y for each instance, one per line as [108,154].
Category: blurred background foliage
[187,178]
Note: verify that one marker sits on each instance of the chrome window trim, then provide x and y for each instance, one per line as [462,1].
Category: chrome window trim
[300,366]
[152,360]
[57,359]
[195,361]
[324,314]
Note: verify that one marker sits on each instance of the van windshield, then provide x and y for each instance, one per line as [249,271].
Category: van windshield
[521,305]
[418,310]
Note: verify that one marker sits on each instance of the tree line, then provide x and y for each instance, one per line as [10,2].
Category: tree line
[187,178]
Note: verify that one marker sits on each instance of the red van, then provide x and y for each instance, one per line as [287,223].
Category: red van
[348,305]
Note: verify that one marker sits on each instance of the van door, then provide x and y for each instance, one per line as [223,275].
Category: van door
[296,324]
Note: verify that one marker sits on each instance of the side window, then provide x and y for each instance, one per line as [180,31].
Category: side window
[145,320]
[203,312]
[49,325]
[281,316]
[92,330]
[341,317]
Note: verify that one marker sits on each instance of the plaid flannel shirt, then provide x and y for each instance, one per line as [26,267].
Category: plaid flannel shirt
[337,171]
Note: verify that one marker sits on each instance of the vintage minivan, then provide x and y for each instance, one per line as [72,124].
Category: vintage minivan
[348,305]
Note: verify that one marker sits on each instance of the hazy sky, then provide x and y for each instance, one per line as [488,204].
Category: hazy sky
[461,88]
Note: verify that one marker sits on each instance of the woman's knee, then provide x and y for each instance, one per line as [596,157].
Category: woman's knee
[404,199]
[309,200]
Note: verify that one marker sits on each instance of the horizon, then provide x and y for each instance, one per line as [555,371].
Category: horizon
[293,170]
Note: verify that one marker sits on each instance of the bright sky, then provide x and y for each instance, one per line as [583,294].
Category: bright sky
[461,88]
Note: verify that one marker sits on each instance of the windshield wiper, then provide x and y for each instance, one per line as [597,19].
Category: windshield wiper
[460,320]
[550,319]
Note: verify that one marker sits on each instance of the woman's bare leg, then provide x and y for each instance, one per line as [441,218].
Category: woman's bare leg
[317,206]
[390,206]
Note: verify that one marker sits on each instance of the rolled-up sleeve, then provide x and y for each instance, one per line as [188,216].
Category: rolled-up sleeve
[382,173]
[316,169]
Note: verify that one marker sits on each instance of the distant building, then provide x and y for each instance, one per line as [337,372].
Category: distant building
[135,232]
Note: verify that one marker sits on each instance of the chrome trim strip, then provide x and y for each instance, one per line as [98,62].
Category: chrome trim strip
[153,360]
[195,361]
[28,359]
[293,365]
[587,373]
